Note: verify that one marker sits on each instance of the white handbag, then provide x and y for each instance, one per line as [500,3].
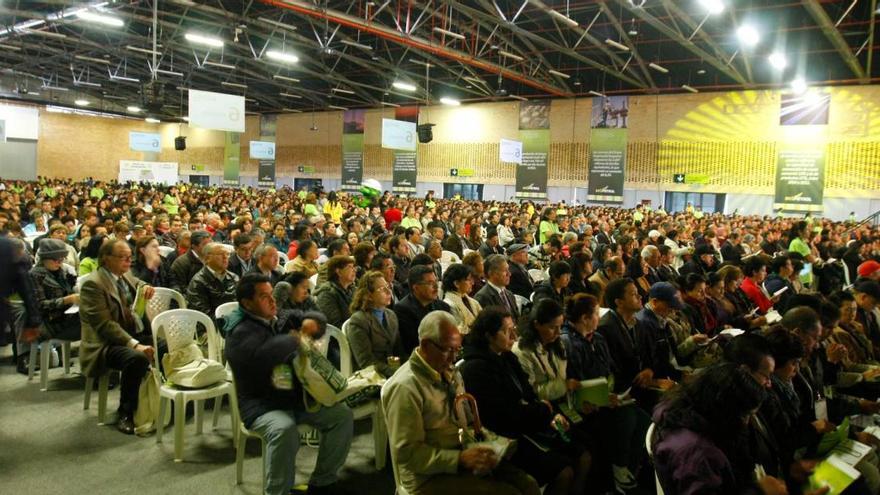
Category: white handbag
[187,367]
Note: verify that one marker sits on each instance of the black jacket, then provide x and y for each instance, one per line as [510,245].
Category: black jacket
[656,344]
[253,349]
[160,278]
[587,359]
[624,347]
[508,405]
[520,282]
[183,270]
[205,291]
[14,279]
[409,313]
[732,254]
[487,250]
[545,290]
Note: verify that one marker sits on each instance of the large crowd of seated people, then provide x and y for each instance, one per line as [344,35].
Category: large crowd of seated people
[739,340]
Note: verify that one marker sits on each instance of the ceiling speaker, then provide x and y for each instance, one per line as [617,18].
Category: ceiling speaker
[426,134]
[180,143]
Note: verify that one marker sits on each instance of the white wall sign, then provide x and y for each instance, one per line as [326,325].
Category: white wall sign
[21,122]
[399,135]
[145,141]
[262,150]
[217,111]
[511,151]
[156,172]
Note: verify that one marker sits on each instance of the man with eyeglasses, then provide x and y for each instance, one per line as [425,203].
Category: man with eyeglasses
[415,306]
[427,455]
[214,284]
[112,337]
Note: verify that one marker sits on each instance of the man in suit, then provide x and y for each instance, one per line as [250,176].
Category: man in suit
[490,245]
[111,335]
[495,292]
[732,251]
[520,281]
[242,261]
[667,271]
[618,326]
[185,267]
[266,262]
[414,241]
[651,255]
[454,241]
[604,235]
[414,307]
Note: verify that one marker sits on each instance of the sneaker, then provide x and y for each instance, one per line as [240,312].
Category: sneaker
[624,480]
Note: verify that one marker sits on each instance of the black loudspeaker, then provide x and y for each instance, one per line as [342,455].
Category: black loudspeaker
[426,134]
[180,143]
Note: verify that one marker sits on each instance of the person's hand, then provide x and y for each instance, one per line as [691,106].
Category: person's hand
[700,338]
[871,374]
[800,470]
[868,439]
[29,334]
[587,408]
[571,384]
[149,292]
[836,353]
[644,378]
[775,299]
[819,491]
[548,404]
[71,299]
[772,486]
[613,400]
[823,426]
[148,350]
[869,406]
[664,384]
[477,459]
[561,421]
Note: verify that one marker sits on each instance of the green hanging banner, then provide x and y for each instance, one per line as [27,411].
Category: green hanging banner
[266,167]
[405,166]
[534,132]
[608,137]
[232,159]
[353,149]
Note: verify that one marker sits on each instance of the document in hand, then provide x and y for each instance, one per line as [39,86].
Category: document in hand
[833,438]
[594,391]
[139,306]
[834,473]
[773,316]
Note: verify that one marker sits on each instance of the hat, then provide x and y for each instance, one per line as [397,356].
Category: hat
[654,234]
[869,287]
[515,248]
[704,249]
[52,249]
[666,292]
[868,268]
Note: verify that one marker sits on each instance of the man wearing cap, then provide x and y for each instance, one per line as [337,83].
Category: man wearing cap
[701,263]
[520,281]
[656,342]
[869,270]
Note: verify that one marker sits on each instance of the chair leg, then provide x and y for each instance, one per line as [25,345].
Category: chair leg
[215,416]
[160,425]
[179,421]
[87,395]
[233,409]
[45,361]
[200,415]
[103,388]
[65,356]
[239,459]
[32,360]
[265,461]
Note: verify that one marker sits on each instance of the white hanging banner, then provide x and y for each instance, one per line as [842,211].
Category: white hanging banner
[399,135]
[217,111]
[21,122]
[145,141]
[511,151]
[262,150]
[155,172]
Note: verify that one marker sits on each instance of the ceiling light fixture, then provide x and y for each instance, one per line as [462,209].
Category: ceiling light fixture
[510,55]
[560,74]
[294,110]
[342,90]
[713,7]
[92,59]
[285,78]
[449,33]
[100,18]
[142,50]
[169,72]
[112,97]
[204,40]
[404,86]
[234,85]
[518,97]
[633,29]
[219,65]
[81,103]
[778,60]
[355,44]
[748,35]
[87,83]
[54,88]
[290,95]
[282,56]
[658,68]
[692,89]
[337,107]
[151,120]
[124,78]
[619,46]
[133,109]
[48,34]
[452,102]
[596,93]
[562,17]
[389,104]
[799,86]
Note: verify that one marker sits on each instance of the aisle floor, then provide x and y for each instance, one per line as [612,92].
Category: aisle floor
[49,445]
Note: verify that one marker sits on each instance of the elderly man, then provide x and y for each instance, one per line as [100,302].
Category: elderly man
[266,262]
[495,292]
[421,301]
[414,241]
[612,269]
[271,401]
[242,261]
[111,334]
[520,281]
[214,284]
[651,255]
[186,266]
[426,453]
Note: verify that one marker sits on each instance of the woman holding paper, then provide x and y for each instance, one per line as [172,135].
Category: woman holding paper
[54,290]
[510,407]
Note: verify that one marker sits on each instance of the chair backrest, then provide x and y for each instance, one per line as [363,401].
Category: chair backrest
[521,302]
[229,248]
[164,251]
[344,349]
[466,252]
[282,259]
[537,275]
[649,444]
[161,302]
[448,257]
[321,251]
[79,282]
[313,281]
[224,309]
[178,326]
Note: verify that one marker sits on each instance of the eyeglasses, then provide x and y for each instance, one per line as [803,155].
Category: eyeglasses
[445,350]
[123,258]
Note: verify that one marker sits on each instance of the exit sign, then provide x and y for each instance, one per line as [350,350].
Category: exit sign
[461,172]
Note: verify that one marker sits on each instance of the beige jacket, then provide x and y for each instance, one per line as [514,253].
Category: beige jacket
[422,429]
[546,371]
[464,316]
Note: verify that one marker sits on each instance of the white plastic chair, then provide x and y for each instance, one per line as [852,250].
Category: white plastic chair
[282,259]
[649,444]
[103,388]
[313,281]
[322,251]
[371,409]
[178,326]
[322,259]
[521,302]
[224,309]
[79,282]
[465,252]
[448,258]
[164,251]
[45,351]
[536,275]
[161,302]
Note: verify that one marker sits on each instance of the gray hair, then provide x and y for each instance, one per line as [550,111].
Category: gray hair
[649,251]
[493,263]
[429,328]
[211,247]
[569,237]
[262,249]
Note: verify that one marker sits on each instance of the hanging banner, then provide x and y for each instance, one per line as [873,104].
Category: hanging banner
[145,141]
[800,179]
[265,150]
[608,149]
[353,149]
[534,132]
[511,151]
[217,111]
[405,166]
[232,159]
[153,172]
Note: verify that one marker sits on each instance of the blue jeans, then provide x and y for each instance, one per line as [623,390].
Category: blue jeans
[279,428]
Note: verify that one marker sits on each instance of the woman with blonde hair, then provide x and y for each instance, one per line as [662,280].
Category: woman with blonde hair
[372,330]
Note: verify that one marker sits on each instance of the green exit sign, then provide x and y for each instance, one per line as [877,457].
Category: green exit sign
[306,169]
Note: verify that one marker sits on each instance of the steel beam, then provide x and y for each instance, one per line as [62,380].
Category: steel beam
[830,30]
